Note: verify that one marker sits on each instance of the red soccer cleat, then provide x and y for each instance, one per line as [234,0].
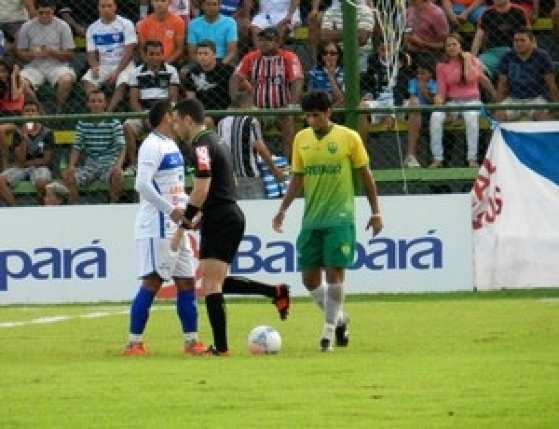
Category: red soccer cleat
[194,348]
[134,349]
[281,301]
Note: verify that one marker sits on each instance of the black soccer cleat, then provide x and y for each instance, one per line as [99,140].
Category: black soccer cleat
[325,345]
[342,334]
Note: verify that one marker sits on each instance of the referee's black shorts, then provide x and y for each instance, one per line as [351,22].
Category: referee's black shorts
[221,232]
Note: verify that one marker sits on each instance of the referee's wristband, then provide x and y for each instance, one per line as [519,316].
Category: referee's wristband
[190,212]
[376,215]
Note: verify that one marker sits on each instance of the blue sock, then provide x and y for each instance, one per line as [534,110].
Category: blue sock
[139,311]
[187,310]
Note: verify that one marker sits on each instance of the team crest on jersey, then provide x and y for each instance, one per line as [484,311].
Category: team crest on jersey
[332,147]
[203,158]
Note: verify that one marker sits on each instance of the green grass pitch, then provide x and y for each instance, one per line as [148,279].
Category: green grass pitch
[485,360]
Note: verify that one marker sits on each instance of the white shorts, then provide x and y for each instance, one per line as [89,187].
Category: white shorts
[15,175]
[333,21]
[155,256]
[265,20]
[384,100]
[513,115]
[38,75]
[104,72]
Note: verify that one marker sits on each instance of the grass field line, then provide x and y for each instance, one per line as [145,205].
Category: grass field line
[46,320]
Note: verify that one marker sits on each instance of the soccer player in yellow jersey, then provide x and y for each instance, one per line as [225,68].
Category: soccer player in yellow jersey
[325,157]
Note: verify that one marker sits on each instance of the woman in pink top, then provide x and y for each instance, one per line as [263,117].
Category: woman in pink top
[458,80]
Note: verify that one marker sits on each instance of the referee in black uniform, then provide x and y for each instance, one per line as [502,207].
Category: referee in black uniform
[222,222]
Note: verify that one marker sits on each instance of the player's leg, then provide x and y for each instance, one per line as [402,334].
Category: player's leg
[309,261]
[153,268]
[213,273]
[187,310]
[339,246]
[244,286]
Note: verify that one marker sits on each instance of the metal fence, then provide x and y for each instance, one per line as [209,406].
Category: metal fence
[400,151]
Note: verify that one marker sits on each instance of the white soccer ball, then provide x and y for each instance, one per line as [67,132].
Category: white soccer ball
[264,339]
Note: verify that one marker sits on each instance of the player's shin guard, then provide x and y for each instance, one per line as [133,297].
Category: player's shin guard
[334,301]
[139,311]
[244,286]
[187,310]
[319,296]
[215,305]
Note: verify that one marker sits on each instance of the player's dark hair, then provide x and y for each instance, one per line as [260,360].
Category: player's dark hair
[206,44]
[95,92]
[527,31]
[158,111]
[153,44]
[46,3]
[191,107]
[316,101]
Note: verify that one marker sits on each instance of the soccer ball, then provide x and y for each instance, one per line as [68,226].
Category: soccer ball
[264,339]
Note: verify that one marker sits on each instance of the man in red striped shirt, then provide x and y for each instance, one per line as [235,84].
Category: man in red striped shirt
[275,78]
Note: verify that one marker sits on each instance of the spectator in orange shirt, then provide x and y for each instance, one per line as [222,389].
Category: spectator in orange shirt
[165,27]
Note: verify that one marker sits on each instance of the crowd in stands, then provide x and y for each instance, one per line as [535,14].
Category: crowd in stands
[237,53]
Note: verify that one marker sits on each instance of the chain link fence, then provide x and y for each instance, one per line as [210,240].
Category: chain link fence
[67,53]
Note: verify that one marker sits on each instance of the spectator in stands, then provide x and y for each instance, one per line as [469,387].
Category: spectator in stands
[32,150]
[421,92]
[426,30]
[11,104]
[460,11]
[165,27]
[56,194]
[181,8]
[149,83]
[378,91]
[220,29]
[79,14]
[13,13]
[530,7]
[240,11]
[280,14]
[208,80]
[101,143]
[45,43]
[328,74]
[330,24]
[459,77]
[496,27]
[243,135]
[275,78]
[110,45]
[526,75]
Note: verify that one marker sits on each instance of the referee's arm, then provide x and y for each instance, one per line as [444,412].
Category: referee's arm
[200,190]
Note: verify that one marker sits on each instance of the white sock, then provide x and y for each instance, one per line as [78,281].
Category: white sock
[134,338]
[334,300]
[328,331]
[190,337]
[319,296]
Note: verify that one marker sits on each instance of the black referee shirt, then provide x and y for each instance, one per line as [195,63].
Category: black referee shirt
[212,159]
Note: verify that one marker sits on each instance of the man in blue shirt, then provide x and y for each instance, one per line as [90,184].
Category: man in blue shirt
[526,75]
[212,25]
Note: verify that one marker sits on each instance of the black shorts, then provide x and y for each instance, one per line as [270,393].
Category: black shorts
[221,232]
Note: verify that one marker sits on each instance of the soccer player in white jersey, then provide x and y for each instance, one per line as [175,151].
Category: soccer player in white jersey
[160,183]
[110,44]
